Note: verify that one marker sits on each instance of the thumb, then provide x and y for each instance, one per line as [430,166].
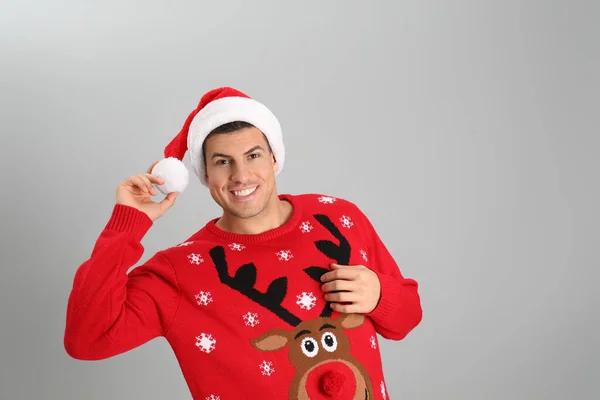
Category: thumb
[169,200]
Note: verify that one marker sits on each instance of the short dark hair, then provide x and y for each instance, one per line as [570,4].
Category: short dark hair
[229,127]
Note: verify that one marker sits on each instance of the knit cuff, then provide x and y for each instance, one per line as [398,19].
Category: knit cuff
[391,293]
[129,219]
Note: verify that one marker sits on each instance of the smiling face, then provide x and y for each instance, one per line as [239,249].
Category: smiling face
[240,172]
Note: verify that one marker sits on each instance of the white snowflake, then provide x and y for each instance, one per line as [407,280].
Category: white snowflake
[195,258]
[364,255]
[383,391]
[306,300]
[237,246]
[251,319]
[213,397]
[184,244]
[266,368]
[346,221]
[204,298]
[373,342]
[327,200]
[284,255]
[306,227]
[205,342]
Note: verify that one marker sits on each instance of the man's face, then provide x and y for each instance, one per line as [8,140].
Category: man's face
[240,172]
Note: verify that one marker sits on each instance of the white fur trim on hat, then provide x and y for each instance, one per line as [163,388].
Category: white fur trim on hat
[230,109]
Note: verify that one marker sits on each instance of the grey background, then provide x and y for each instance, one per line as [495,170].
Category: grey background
[466,130]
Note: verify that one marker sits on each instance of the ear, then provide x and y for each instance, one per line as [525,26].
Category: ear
[273,340]
[275,164]
[351,321]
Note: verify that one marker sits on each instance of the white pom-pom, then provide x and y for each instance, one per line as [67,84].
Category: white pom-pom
[174,174]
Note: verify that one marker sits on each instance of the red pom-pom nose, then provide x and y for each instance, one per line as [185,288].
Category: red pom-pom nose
[333,380]
[332,383]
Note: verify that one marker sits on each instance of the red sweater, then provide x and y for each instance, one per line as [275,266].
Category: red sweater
[245,314]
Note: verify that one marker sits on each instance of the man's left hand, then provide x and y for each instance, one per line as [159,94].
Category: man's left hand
[351,288]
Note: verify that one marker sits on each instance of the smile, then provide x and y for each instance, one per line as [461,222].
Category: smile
[245,192]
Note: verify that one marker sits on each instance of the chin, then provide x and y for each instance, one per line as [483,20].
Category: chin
[245,214]
[242,211]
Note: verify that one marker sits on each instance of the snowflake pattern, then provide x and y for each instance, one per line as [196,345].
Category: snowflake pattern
[373,342]
[184,244]
[364,255]
[306,227]
[266,368]
[213,397]
[327,200]
[237,246]
[306,300]
[383,391]
[195,258]
[206,343]
[346,221]
[251,319]
[284,255]
[204,298]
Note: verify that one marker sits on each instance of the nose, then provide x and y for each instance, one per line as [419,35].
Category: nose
[332,383]
[333,380]
[240,174]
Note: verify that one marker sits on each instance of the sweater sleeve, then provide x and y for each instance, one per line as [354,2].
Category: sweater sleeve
[399,310]
[110,311]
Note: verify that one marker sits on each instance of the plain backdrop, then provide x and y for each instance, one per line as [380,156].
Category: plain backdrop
[466,130]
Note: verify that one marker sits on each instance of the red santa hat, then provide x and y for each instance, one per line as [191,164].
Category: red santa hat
[217,107]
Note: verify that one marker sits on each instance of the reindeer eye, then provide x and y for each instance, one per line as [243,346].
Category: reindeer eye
[329,341]
[310,347]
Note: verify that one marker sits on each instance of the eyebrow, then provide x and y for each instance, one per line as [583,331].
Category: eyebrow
[252,150]
[327,326]
[302,332]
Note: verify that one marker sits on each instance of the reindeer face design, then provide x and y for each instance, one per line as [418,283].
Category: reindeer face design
[319,350]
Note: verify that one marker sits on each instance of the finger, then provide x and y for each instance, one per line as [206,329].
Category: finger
[335,266]
[149,171]
[341,297]
[136,181]
[147,183]
[154,179]
[169,200]
[347,274]
[356,268]
[346,308]
[339,266]
[339,285]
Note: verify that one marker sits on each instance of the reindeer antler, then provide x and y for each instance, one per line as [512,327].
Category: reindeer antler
[244,281]
[338,252]
[245,277]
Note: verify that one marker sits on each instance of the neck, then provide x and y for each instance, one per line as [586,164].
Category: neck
[277,213]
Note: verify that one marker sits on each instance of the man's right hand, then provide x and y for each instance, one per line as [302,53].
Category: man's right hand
[137,191]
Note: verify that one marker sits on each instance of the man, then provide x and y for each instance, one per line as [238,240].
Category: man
[280,297]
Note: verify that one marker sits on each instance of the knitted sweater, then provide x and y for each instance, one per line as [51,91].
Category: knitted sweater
[245,314]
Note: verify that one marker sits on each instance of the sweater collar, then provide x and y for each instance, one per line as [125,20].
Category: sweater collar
[290,225]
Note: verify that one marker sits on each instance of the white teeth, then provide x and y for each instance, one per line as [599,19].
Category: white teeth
[245,192]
